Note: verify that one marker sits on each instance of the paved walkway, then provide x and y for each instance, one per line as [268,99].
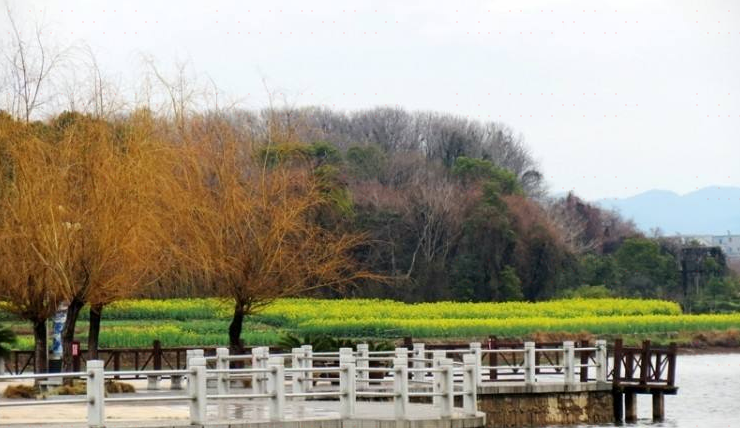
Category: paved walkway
[235,414]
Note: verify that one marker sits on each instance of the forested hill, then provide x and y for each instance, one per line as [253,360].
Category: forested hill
[447,208]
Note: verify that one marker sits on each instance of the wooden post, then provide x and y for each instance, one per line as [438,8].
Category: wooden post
[658,407]
[617,376]
[645,360]
[492,358]
[408,342]
[153,381]
[584,360]
[672,364]
[630,404]
[618,403]
[117,362]
[157,354]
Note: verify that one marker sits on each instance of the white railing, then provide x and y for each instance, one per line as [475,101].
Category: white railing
[269,378]
[347,375]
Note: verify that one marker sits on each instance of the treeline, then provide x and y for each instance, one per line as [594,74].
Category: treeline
[256,206]
[457,209]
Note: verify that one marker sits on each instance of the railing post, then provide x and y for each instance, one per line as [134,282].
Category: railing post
[153,381]
[529,363]
[258,362]
[345,352]
[307,364]
[437,357]
[569,362]
[645,363]
[223,383]
[493,357]
[197,390]
[671,379]
[447,388]
[2,366]
[418,363]
[476,350]
[363,362]
[601,361]
[402,353]
[347,386]
[470,384]
[222,363]
[276,387]
[400,388]
[95,394]
[617,376]
[296,355]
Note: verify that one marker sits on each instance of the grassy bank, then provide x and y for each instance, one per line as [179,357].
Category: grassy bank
[192,322]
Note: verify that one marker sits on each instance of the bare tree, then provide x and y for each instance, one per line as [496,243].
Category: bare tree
[30,62]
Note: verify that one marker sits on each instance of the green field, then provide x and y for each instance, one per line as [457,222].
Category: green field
[190,322]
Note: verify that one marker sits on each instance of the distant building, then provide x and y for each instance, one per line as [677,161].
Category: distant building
[729,243]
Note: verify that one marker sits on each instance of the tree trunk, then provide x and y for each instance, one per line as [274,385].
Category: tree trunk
[93,335]
[68,333]
[235,328]
[40,358]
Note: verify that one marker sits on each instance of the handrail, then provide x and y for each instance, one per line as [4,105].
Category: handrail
[356,373]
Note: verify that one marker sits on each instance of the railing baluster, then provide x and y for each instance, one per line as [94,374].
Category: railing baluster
[276,388]
[223,383]
[347,386]
[308,364]
[197,390]
[95,394]
[297,376]
[447,388]
[476,350]
[437,357]
[418,363]
[470,383]
[601,359]
[569,360]
[529,363]
[363,363]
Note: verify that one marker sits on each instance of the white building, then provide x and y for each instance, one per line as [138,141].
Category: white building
[729,243]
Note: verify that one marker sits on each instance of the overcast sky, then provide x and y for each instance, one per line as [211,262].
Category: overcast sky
[613,97]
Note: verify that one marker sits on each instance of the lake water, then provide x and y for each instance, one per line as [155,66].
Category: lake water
[708,395]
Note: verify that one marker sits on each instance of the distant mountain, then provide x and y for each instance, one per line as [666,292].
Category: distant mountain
[708,211]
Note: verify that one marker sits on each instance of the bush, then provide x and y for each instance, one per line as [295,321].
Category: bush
[20,391]
[113,387]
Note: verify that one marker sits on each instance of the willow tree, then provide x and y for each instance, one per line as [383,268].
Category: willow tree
[31,218]
[250,229]
[111,178]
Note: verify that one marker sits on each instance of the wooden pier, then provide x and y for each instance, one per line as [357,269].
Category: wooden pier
[643,370]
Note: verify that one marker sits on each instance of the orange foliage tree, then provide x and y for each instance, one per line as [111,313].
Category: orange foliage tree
[84,207]
[250,226]
[30,220]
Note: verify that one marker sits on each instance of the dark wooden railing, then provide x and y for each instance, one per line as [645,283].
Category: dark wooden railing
[117,359]
[645,367]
